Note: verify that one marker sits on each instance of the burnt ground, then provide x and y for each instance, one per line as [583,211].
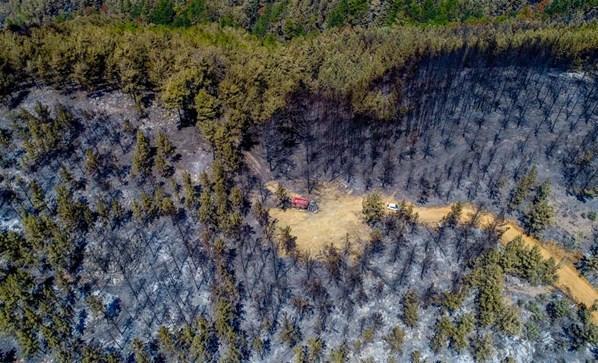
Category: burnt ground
[158,273]
[467,135]
[141,277]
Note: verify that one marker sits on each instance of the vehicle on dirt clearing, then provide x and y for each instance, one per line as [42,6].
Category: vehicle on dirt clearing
[300,202]
[393,206]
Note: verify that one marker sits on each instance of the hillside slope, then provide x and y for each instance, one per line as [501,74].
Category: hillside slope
[135,218]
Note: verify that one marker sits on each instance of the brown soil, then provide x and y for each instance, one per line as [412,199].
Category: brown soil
[339,219]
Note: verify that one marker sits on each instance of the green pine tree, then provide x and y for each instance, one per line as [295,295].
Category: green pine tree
[142,161]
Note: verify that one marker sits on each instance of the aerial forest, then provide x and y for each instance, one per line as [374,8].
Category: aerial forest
[290,181]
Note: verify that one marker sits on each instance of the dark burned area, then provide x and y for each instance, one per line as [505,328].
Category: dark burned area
[135,267]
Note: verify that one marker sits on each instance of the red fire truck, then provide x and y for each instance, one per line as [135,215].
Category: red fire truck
[300,202]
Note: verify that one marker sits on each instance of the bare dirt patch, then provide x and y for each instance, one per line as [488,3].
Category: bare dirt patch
[339,219]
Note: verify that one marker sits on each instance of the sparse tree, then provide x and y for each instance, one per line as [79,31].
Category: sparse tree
[282,197]
[395,339]
[289,332]
[454,216]
[300,354]
[92,163]
[339,354]
[372,208]
[189,190]
[410,308]
[166,206]
[461,332]
[482,348]
[166,340]
[287,241]
[523,187]
[142,162]
[315,347]
[139,351]
[416,356]
[443,331]
[164,151]
[541,212]
[37,196]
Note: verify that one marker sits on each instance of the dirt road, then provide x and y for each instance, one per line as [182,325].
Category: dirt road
[339,219]
[569,280]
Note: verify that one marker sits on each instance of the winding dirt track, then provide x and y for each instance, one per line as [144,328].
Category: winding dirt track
[569,280]
[339,218]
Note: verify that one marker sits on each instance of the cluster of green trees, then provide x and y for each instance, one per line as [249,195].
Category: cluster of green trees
[225,82]
[44,135]
[523,188]
[39,271]
[205,70]
[148,207]
[527,263]
[540,213]
[372,208]
[222,204]
[142,156]
[488,278]
[457,329]
[560,7]
[455,334]
[374,211]
[411,308]
[146,158]
[286,19]
[445,11]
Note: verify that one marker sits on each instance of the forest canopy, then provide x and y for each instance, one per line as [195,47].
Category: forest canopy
[344,64]
[286,19]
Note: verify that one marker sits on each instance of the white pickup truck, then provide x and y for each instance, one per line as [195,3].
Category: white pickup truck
[393,206]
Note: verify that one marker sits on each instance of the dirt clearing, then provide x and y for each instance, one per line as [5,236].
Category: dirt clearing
[339,218]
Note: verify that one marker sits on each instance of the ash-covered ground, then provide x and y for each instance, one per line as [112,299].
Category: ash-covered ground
[466,136]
